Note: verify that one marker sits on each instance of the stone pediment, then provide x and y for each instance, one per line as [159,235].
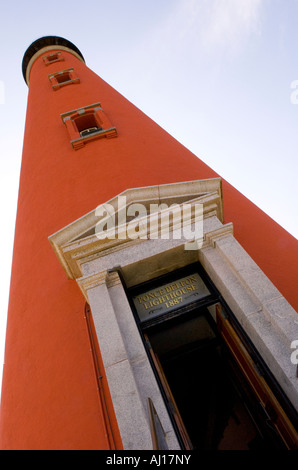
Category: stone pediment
[83,238]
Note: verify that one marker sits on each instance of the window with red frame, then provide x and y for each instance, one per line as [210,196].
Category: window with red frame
[62,78]
[52,58]
[87,124]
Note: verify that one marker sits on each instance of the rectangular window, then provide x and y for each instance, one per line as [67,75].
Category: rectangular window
[52,58]
[87,124]
[62,78]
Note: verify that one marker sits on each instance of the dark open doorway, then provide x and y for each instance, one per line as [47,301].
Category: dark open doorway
[215,406]
[206,391]
[219,393]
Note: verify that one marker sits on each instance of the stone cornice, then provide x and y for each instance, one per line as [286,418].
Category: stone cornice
[78,242]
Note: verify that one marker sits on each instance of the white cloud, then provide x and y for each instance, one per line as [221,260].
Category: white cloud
[218,24]
[231,21]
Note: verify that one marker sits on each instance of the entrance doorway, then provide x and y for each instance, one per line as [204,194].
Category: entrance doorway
[213,406]
[217,397]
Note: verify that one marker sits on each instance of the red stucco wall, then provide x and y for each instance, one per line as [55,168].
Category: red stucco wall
[49,397]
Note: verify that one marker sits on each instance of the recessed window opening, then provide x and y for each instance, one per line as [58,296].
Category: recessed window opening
[53,57]
[63,77]
[87,124]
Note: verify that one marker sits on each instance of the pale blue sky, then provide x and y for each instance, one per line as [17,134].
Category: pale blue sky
[216,74]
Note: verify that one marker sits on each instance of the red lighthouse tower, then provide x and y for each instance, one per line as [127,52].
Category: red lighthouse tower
[133,341]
